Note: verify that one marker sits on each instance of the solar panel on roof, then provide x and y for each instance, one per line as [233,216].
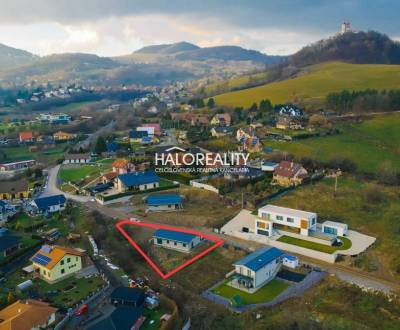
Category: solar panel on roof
[41,259]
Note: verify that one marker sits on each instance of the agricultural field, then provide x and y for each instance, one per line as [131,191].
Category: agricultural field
[20,153]
[367,144]
[315,83]
[369,208]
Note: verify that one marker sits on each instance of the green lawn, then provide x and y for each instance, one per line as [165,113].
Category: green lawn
[316,246]
[22,153]
[24,221]
[152,315]
[265,294]
[367,144]
[78,173]
[315,84]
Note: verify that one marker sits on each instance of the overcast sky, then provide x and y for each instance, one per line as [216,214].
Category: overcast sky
[116,27]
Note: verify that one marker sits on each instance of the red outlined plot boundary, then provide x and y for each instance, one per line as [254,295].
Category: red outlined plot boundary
[121,223]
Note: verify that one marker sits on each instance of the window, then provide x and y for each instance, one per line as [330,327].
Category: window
[184,244]
[291,220]
[313,221]
[279,217]
[261,224]
[62,271]
[169,206]
[62,262]
[249,272]
[265,216]
[263,232]
[175,244]
[159,241]
[68,259]
[76,259]
[167,241]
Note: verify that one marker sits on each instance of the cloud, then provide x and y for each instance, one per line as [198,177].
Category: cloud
[120,26]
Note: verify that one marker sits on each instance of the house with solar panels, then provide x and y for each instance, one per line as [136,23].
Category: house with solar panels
[257,269]
[137,181]
[176,240]
[49,204]
[54,263]
[163,202]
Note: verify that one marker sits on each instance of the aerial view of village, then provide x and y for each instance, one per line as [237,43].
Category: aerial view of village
[199,165]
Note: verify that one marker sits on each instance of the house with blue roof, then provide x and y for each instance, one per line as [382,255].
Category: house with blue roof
[164,202]
[49,204]
[137,136]
[137,181]
[176,240]
[257,269]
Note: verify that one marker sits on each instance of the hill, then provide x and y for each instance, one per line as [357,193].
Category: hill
[187,52]
[315,82]
[11,57]
[354,47]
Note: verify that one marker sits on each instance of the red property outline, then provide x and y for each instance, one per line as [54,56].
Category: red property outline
[218,242]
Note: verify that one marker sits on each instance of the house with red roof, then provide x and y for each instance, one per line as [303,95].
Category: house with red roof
[289,173]
[25,137]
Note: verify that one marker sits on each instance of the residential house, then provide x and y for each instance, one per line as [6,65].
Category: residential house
[221,119]
[257,269]
[269,166]
[220,131]
[14,189]
[190,118]
[122,166]
[109,177]
[3,212]
[137,181]
[15,166]
[290,261]
[127,297]
[137,136]
[271,217]
[9,245]
[26,137]
[148,129]
[54,118]
[288,174]
[156,128]
[164,202]
[334,228]
[54,263]
[80,158]
[27,315]
[121,318]
[111,149]
[251,144]
[176,240]
[289,110]
[64,136]
[285,123]
[49,204]
[242,135]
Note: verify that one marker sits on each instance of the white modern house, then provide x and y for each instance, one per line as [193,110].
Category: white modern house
[334,228]
[272,217]
[290,261]
[176,240]
[256,269]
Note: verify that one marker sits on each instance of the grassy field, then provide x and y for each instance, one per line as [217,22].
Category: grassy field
[317,83]
[235,82]
[316,246]
[368,144]
[15,154]
[265,294]
[351,205]
[78,173]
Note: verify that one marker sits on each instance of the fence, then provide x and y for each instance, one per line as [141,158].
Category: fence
[205,186]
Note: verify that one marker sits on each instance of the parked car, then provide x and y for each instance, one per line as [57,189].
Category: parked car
[83,309]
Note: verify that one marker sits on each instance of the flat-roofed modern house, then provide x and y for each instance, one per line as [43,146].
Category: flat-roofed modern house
[137,181]
[334,228]
[271,217]
[258,268]
[27,315]
[49,204]
[176,240]
[164,202]
[54,263]
[82,158]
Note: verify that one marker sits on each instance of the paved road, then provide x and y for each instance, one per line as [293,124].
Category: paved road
[91,139]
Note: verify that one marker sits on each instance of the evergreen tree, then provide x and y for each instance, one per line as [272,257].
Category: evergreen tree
[101,145]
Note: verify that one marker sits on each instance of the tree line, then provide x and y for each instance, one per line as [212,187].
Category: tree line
[368,100]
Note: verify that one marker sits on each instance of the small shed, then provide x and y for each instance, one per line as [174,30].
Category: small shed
[334,228]
[24,285]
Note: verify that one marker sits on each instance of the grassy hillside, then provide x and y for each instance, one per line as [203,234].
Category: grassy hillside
[368,144]
[235,82]
[315,84]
